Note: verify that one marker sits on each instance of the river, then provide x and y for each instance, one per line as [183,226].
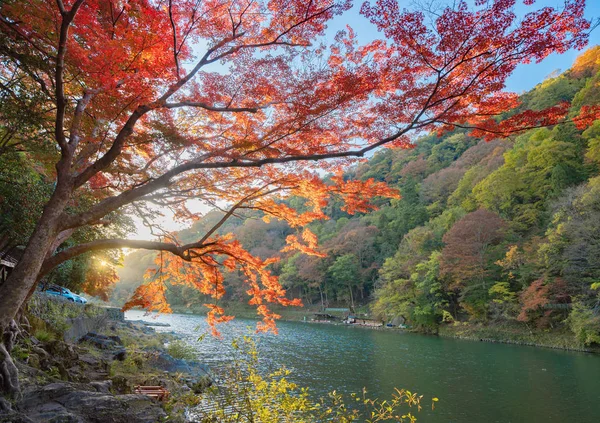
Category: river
[476,382]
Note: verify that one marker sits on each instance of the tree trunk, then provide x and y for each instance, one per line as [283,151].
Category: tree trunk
[22,279]
[322,303]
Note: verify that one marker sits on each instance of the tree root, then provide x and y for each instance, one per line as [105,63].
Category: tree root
[9,374]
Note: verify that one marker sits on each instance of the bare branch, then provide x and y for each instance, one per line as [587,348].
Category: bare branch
[232,210]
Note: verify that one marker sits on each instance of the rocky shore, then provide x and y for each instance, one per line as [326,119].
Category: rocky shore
[94,378]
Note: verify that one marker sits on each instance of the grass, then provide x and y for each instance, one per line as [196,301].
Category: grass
[181,350]
[20,352]
[133,339]
[133,364]
[44,336]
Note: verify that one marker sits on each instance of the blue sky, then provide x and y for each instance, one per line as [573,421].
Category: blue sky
[528,76]
[524,78]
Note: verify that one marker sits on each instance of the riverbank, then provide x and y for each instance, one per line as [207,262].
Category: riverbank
[501,334]
[561,339]
[494,377]
[515,333]
[94,377]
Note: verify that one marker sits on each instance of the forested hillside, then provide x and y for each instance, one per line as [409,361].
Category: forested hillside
[486,231]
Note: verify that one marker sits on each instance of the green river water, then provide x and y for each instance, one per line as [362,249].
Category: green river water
[476,382]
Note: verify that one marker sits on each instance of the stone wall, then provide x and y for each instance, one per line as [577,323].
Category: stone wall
[80,326]
[78,319]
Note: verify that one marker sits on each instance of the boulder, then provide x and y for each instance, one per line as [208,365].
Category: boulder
[116,338]
[39,358]
[137,325]
[39,351]
[53,412]
[63,350]
[89,359]
[75,403]
[120,355]
[102,386]
[101,341]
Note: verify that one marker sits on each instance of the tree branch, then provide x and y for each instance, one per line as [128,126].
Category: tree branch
[174,29]
[213,108]
[109,244]
[82,104]
[113,203]
[127,129]
[59,92]
[117,146]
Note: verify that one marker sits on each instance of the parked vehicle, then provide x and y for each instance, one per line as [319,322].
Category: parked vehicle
[60,291]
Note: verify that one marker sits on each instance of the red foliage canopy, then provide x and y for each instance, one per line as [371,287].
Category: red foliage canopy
[142,115]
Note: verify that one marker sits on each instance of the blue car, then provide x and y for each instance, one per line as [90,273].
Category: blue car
[59,291]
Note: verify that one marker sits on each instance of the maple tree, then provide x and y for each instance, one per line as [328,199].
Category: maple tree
[133,115]
[466,253]
[538,296]
[466,244]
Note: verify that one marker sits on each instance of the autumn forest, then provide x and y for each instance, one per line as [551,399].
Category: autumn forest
[384,168]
